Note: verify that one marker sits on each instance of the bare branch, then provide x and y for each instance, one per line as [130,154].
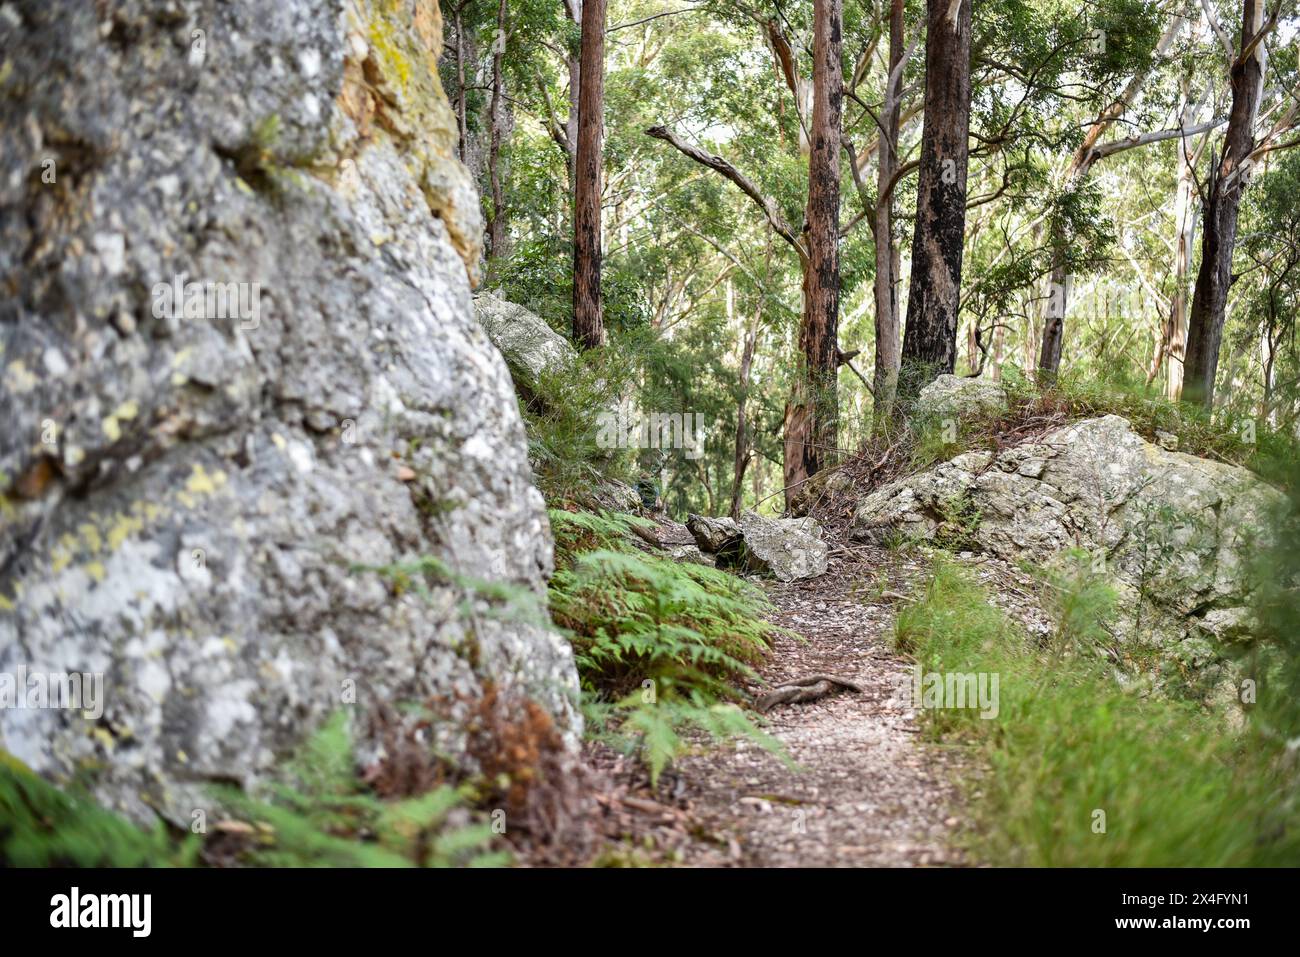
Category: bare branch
[768,205]
[1155,136]
[637,23]
[1218,30]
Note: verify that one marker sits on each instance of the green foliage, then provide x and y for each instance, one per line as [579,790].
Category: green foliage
[539,276]
[322,816]
[659,644]
[564,423]
[43,826]
[1069,745]
[1082,601]
[1274,662]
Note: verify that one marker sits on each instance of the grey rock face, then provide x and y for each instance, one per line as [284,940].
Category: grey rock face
[1173,530]
[188,492]
[787,548]
[959,396]
[531,348]
[713,534]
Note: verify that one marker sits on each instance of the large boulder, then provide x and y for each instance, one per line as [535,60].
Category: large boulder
[531,348]
[785,548]
[193,495]
[713,534]
[961,396]
[1173,530]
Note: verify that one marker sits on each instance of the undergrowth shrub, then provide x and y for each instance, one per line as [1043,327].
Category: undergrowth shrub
[323,815]
[1079,771]
[563,421]
[660,645]
[43,826]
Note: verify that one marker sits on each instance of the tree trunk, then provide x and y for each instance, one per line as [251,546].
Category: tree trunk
[885,380]
[588,321]
[930,343]
[743,453]
[573,10]
[1058,295]
[462,121]
[497,224]
[811,417]
[1058,292]
[1175,339]
[1222,205]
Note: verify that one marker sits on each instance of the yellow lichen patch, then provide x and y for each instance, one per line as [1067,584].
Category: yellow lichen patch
[201,483]
[5,603]
[18,378]
[90,535]
[95,570]
[60,558]
[122,528]
[112,425]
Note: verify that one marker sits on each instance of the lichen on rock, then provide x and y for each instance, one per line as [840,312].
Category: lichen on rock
[192,498]
[1171,530]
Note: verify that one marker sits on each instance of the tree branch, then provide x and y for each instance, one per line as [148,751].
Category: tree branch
[746,185]
[1156,136]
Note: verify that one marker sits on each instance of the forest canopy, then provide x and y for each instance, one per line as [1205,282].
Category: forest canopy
[1122,198]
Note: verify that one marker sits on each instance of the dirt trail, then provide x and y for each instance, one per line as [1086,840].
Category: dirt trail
[869,790]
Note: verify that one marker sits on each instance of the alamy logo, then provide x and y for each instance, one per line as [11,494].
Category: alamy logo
[625,428]
[133,911]
[39,690]
[179,299]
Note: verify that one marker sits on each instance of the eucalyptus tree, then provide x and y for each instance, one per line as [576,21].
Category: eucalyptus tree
[1241,152]
[588,319]
[931,337]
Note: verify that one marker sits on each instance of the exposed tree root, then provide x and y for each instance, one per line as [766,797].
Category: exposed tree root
[803,690]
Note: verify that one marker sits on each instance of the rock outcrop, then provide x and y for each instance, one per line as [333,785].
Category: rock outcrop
[1171,529]
[239,364]
[785,548]
[530,347]
[961,395]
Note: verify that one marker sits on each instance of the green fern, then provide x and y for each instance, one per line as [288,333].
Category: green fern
[43,826]
[660,645]
[321,817]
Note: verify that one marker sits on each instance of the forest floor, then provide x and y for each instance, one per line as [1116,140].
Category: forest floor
[868,787]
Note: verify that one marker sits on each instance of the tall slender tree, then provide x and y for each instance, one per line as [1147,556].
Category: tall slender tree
[500,213]
[1222,205]
[588,318]
[888,337]
[931,337]
[813,411]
